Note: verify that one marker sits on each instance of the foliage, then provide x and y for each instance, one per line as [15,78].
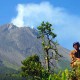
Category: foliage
[73,74]
[61,75]
[32,68]
[10,76]
[47,35]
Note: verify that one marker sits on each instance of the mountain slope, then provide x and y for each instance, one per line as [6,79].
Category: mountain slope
[17,43]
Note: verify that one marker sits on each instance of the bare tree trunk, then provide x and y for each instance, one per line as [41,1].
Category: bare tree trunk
[47,61]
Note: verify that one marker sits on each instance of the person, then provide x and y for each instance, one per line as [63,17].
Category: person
[75,55]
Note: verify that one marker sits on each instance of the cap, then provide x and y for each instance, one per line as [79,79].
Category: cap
[76,43]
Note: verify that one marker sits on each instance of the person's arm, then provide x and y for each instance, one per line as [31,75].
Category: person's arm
[71,55]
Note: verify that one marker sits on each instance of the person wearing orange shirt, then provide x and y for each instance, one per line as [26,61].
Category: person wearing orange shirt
[75,55]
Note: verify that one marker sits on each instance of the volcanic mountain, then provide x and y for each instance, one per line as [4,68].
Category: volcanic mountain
[16,43]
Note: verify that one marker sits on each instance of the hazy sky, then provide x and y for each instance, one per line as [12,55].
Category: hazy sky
[63,14]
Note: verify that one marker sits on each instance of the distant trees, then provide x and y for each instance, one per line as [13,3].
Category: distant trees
[49,45]
[10,76]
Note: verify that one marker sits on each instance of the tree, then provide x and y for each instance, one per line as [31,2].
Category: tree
[32,67]
[47,35]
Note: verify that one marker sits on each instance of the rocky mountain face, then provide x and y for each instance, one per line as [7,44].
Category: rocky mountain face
[18,43]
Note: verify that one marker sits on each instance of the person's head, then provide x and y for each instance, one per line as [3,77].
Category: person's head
[76,45]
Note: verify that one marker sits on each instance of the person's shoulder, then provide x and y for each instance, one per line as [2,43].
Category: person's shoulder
[72,51]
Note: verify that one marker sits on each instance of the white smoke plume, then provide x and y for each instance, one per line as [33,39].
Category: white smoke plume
[67,26]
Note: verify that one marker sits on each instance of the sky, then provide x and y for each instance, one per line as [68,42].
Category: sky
[64,15]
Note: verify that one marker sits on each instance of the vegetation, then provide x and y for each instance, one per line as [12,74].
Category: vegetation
[33,69]
[10,77]
[47,35]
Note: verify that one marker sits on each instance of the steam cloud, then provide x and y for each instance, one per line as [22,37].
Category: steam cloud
[67,26]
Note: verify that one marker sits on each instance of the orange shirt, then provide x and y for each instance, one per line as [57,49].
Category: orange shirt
[72,55]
